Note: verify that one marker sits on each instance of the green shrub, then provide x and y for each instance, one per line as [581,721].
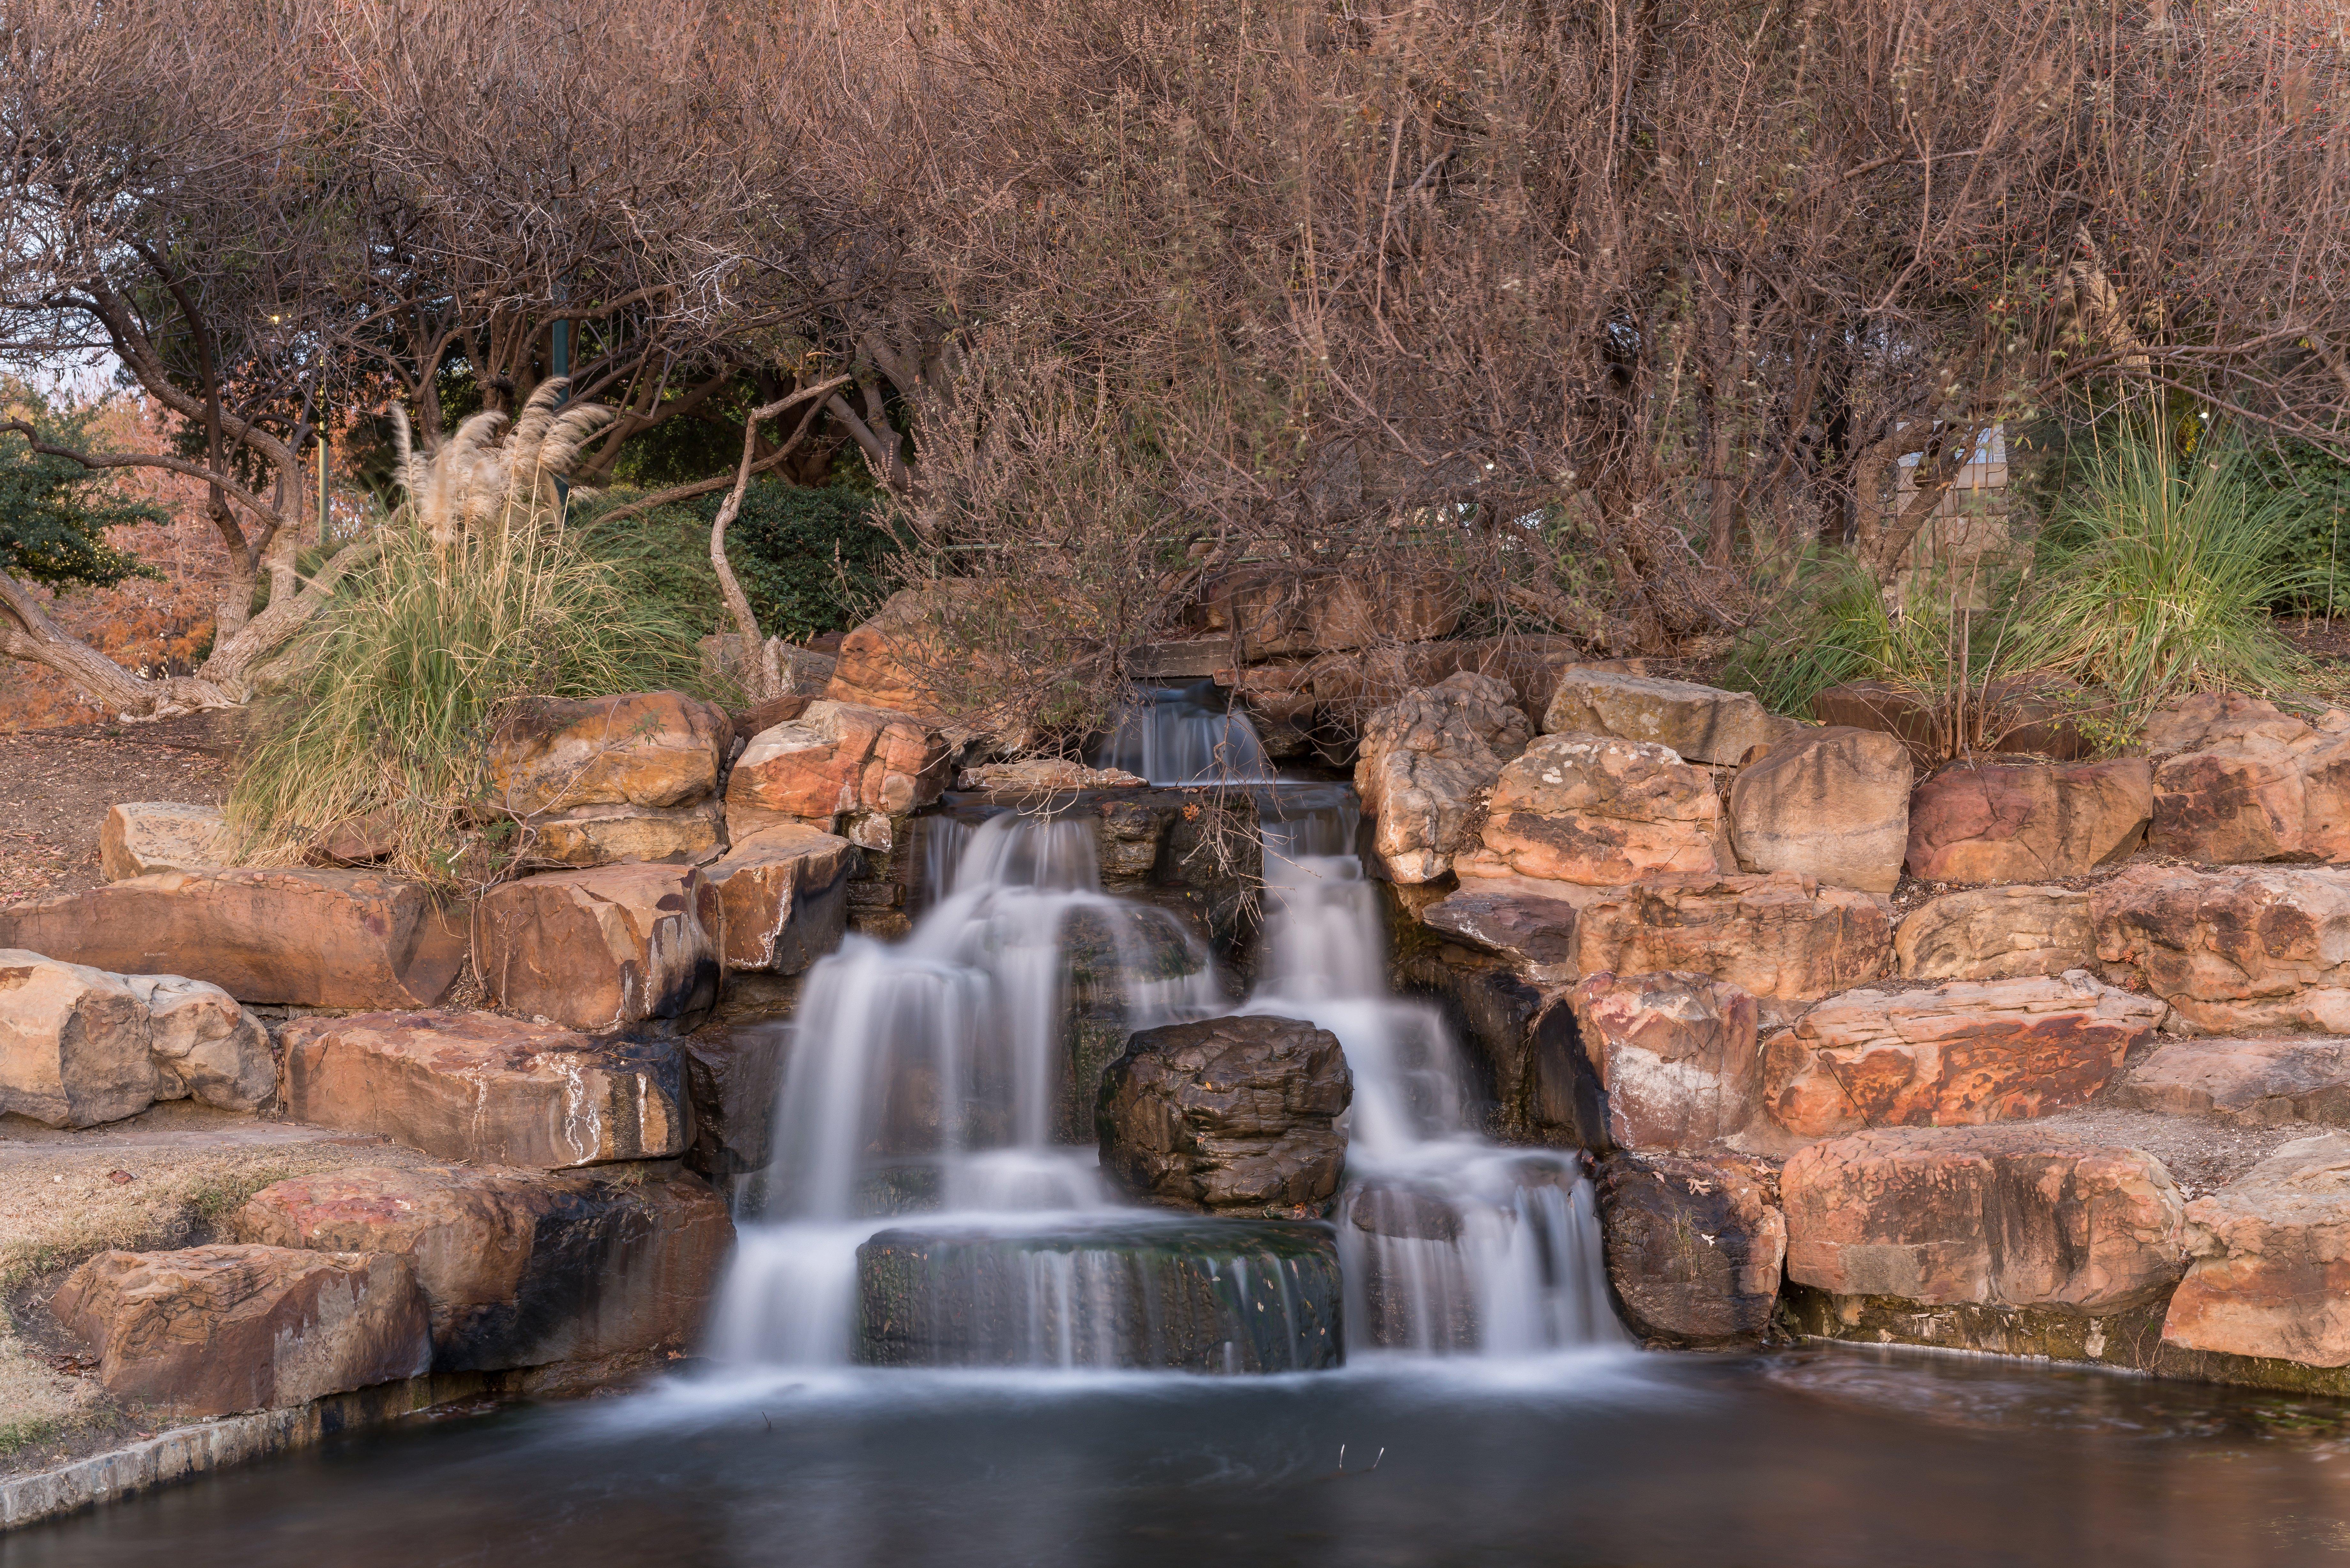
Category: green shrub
[809,560]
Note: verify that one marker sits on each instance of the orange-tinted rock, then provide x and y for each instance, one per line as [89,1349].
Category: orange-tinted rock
[2204,719]
[477,1086]
[520,1268]
[1694,1246]
[1831,804]
[2271,1275]
[647,748]
[837,759]
[898,659]
[2257,797]
[1426,763]
[604,949]
[2034,822]
[1959,1055]
[1600,811]
[1699,723]
[2013,1216]
[1996,933]
[2255,1083]
[617,835]
[2256,951]
[1226,1113]
[136,837]
[313,939]
[212,1331]
[783,894]
[1672,1054]
[1781,937]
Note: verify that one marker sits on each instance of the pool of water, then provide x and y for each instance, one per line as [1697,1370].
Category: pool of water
[1610,1459]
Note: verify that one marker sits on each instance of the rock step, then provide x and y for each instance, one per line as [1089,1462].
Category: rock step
[79,1046]
[2256,1083]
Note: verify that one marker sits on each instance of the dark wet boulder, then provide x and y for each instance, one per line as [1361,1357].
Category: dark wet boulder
[1231,1114]
[1695,1246]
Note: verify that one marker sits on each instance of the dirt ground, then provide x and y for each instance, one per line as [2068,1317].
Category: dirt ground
[55,784]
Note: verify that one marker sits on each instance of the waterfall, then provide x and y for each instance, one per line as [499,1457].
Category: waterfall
[1186,735]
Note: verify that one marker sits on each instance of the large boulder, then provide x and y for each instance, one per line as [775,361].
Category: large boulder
[1597,811]
[644,749]
[2251,951]
[783,895]
[613,947]
[2252,1083]
[612,835]
[2271,1269]
[2010,1216]
[1425,764]
[1996,933]
[477,1086]
[1672,1055]
[898,659]
[1231,1114]
[2259,794]
[2027,821]
[1523,921]
[1782,937]
[1698,723]
[307,938]
[732,1079]
[1694,1246]
[1957,1055]
[835,760]
[212,1331]
[79,1046]
[520,1268]
[139,836]
[1830,803]
[2205,719]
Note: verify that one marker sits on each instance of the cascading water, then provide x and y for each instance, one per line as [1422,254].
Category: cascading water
[1185,735]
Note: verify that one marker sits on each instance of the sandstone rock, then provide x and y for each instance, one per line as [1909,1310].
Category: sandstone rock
[1996,933]
[312,939]
[1046,775]
[2019,824]
[1425,761]
[212,1331]
[835,759]
[1226,1113]
[1959,1055]
[895,659]
[1602,812]
[1273,610]
[733,1081]
[647,748]
[783,894]
[79,1046]
[603,949]
[1698,723]
[2256,796]
[2271,1271]
[1506,917]
[1829,804]
[205,1046]
[1674,1055]
[2205,719]
[519,1268]
[140,836]
[2016,1216]
[1694,1246]
[477,1086]
[1781,938]
[615,834]
[2255,1083]
[2250,951]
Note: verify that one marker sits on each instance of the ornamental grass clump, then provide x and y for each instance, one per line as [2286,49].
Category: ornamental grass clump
[481,596]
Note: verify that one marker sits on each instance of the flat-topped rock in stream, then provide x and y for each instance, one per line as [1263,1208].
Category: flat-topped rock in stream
[1695,1246]
[478,1086]
[1227,1114]
[2254,1083]
[307,938]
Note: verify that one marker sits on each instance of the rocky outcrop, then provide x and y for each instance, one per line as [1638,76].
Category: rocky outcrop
[2253,1083]
[139,836]
[1996,933]
[1697,723]
[2250,951]
[1959,1055]
[520,1268]
[2013,1216]
[645,749]
[1672,1055]
[836,760]
[733,1080]
[477,1086]
[1231,1114]
[613,947]
[1694,1246]
[1828,804]
[79,1046]
[312,939]
[2262,793]
[1272,611]
[1597,811]
[899,659]
[2271,1271]
[1425,766]
[610,835]
[1783,938]
[212,1331]
[2029,822]
[783,898]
